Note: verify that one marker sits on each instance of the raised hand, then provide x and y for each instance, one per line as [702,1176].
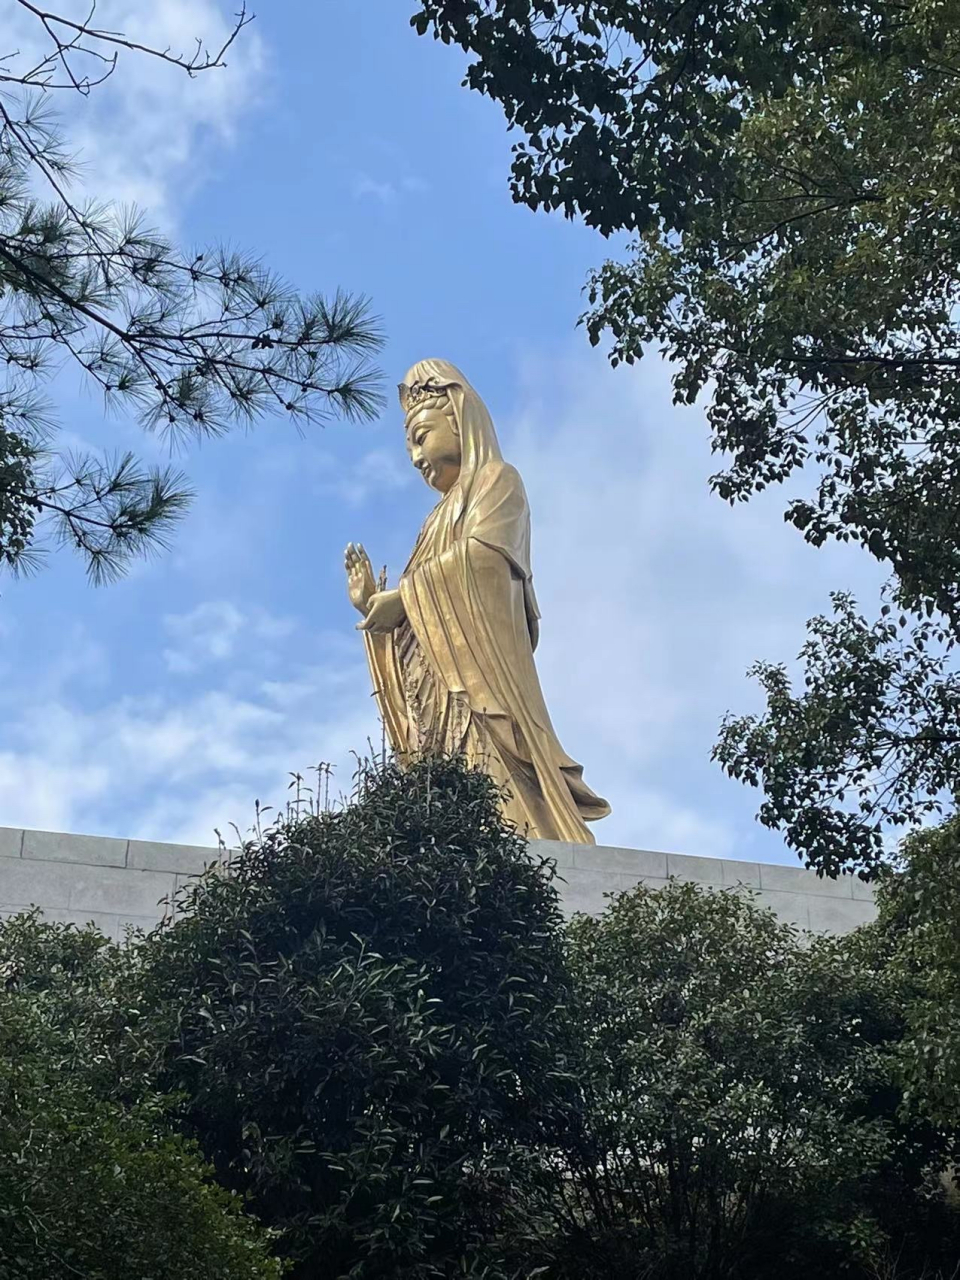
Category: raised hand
[361,584]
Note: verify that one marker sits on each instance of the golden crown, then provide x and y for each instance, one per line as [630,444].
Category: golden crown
[413,395]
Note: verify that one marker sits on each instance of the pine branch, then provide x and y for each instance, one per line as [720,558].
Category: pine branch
[192,346]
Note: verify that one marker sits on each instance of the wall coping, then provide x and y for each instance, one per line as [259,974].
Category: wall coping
[117,882]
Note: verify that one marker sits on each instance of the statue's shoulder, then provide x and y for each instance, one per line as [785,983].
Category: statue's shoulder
[497,494]
[498,474]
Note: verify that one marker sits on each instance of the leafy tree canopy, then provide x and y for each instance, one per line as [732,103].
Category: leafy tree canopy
[741,1098]
[870,745]
[741,1110]
[191,343]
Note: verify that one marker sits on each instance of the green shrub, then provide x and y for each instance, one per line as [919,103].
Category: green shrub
[92,1184]
[919,927]
[374,1025]
[741,1117]
[364,1016]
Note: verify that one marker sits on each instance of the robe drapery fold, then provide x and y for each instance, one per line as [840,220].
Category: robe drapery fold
[458,673]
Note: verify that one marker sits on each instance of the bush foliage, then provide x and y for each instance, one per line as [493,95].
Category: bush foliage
[365,1018]
[742,1111]
[376,1027]
[920,919]
[94,1180]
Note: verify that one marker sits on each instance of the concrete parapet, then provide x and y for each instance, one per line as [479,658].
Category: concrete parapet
[115,883]
[11,842]
[589,874]
[184,859]
[57,846]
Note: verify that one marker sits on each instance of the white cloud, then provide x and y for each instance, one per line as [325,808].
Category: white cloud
[142,136]
[381,191]
[379,471]
[170,766]
[36,791]
[210,633]
[384,191]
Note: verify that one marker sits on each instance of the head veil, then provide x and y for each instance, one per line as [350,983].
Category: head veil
[478,446]
[478,439]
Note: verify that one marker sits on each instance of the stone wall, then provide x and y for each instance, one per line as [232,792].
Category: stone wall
[797,896]
[116,883]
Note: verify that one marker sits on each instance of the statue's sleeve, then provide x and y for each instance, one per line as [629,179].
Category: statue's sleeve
[387,679]
[497,515]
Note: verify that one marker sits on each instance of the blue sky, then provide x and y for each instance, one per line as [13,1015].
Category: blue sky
[341,147]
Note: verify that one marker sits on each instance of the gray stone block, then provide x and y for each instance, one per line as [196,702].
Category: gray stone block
[604,857]
[583,901]
[799,880]
[187,859]
[102,920]
[584,890]
[791,908]
[561,851]
[137,922]
[11,842]
[112,926]
[836,915]
[706,871]
[628,882]
[578,878]
[57,846]
[81,878]
[119,890]
[44,884]
[861,890]
[740,873]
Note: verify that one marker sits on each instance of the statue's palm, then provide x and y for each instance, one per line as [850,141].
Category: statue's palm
[361,584]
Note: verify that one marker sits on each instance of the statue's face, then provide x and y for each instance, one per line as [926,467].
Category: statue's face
[434,448]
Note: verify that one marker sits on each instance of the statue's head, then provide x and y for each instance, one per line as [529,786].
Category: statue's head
[450,436]
[432,431]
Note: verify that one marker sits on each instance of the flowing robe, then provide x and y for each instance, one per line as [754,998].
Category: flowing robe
[457,675]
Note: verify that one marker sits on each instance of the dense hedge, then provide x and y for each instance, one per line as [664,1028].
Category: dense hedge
[366,1018]
[94,1179]
[377,1030]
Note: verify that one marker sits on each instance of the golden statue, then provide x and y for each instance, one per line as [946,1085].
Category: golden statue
[451,648]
